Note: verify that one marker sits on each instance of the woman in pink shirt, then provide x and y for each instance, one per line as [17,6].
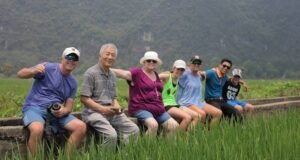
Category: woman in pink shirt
[145,95]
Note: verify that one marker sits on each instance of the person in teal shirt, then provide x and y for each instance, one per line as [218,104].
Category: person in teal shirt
[215,80]
[187,117]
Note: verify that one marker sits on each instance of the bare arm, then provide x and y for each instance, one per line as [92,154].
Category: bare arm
[164,76]
[91,104]
[245,87]
[26,73]
[203,75]
[122,73]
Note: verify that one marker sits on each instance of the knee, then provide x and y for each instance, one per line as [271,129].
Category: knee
[112,135]
[81,127]
[36,132]
[170,124]
[218,114]
[153,126]
[203,116]
[136,130]
[249,108]
[187,118]
[239,108]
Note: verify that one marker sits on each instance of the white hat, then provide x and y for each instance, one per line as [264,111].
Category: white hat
[150,55]
[70,50]
[179,64]
[237,72]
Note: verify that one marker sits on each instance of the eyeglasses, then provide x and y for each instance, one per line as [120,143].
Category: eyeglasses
[180,69]
[151,60]
[72,57]
[225,66]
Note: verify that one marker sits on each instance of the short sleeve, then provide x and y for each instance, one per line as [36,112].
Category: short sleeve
[134,73]
[208,74]
[87,84]
[74,89]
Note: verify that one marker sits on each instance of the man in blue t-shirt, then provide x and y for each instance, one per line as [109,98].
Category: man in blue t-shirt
[214,81]
[51,99]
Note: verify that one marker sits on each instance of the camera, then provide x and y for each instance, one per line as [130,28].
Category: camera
[54,107]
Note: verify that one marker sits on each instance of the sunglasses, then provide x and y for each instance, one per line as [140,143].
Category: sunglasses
[180,69]
[72,57]
[225,66]
[151,60]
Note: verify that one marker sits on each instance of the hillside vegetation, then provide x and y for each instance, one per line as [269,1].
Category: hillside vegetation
[260,36]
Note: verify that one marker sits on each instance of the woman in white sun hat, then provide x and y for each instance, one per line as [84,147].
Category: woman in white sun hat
[188,118]
[145,95]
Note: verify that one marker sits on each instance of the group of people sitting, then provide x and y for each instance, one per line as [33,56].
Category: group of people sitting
[171,99]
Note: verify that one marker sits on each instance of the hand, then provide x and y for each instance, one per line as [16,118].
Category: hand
[108,111]
[118,110]
[60,113]
[40,68]
[245,88]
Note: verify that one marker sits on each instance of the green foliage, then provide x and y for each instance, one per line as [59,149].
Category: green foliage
[270,88]
[259,35]
[263,136]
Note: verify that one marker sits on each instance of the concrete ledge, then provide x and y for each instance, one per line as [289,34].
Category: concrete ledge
[272,100]
[277,106]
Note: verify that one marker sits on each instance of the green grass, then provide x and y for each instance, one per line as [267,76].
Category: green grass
[270,88]
[268,136]
[13,92]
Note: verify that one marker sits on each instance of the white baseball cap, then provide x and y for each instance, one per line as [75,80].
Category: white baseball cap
[237,72]
[70,50]
[179,64]
[150,55]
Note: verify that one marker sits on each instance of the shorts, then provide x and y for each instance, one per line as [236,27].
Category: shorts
[142,115]
[236,102]
[34,114]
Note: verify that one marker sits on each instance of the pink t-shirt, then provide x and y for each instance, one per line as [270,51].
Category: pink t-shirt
[145,94]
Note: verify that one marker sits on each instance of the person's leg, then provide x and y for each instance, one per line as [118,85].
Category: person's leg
[185,118]
[103,128]
[125,128]
[239,108]
[195,116]
[152,126]
[147,119]
[36,130]
[249,108]
[230,111]
[199,111]
[237,105]
[214,112]
[77,130]
[34,121]
[168,123]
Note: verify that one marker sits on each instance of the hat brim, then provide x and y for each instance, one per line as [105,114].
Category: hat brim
[237,76]
[180,66]
[196,60]
[159,62]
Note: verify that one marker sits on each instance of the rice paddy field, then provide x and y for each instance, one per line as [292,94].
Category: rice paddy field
[271,136]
